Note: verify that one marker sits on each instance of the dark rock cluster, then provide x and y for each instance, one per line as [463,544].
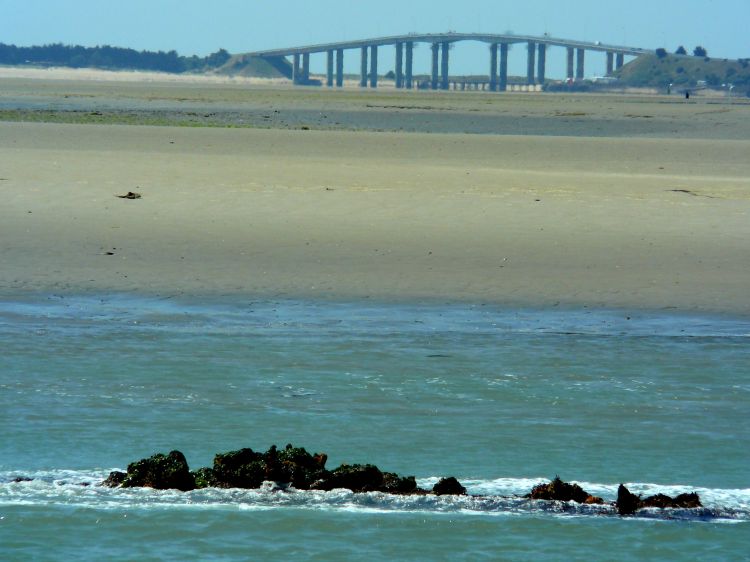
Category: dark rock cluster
[161,472]
[294,466]
[291,466]
[558,490]
[628,503]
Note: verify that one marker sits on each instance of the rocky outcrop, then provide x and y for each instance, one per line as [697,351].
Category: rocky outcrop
[161,472]
[295,467]
[236,469]
[448,487]
[248,469]
[628,503]
[355,477]
[557,490]
[115,479]
[360,478]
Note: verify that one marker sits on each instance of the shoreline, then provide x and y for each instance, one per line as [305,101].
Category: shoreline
[581,319]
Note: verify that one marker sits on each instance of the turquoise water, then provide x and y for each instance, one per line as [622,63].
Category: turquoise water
[500,398]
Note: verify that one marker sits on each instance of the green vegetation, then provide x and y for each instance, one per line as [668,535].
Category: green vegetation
[116,58]
[107,57]
[245,65]
[700,52]
[661,69]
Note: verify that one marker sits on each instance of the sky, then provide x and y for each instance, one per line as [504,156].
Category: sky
[201,26]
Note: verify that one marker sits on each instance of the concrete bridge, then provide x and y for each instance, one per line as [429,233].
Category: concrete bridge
[536,53]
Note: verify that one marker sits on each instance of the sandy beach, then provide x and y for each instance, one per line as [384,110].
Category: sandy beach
[600,220]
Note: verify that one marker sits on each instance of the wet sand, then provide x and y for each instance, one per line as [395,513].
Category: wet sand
[222,102]
[527,220]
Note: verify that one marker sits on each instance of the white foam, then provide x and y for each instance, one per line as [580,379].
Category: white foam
[498,497]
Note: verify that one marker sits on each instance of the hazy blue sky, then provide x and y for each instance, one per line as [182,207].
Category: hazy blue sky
[201,26]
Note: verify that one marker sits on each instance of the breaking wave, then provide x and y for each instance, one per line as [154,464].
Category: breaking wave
[500,497]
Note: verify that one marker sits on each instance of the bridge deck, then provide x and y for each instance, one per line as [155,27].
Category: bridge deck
[453,38]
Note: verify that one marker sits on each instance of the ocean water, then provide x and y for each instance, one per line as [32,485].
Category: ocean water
[500,398]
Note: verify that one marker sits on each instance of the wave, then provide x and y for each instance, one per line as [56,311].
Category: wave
[499,497]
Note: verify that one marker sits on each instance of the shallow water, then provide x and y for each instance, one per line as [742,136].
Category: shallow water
[502,399]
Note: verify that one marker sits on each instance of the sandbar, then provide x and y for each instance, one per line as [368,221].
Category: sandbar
[513,220]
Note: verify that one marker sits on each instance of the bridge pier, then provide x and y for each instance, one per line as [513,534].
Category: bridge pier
[580,70]
[409,65]
[542,64]
[503,86]
[435,57]
[374,66]
[329,68]
[295,69]
[610,63]
[620,60]
[571,63]
[444,75]
[339,68]
[493,67]
[531,63]
[305,68]
[363,69]
[399,65]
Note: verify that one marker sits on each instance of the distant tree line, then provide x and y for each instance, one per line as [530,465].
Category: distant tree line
[107,57]
[699,51]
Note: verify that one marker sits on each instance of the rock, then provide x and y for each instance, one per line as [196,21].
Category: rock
[659,500]
[19,479]
[395,484]
[249,469]
[594,500]
[205,478]
[558,490]
[358,478]
[627,503]
[361,478]
[161,473]
[115,479]
[245,468]
[296,466]
[449,487]
[239,469]
[683,501]
[688,501]
[278,470]
[130,195]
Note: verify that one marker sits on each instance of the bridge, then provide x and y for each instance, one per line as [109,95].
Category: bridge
[536,52]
